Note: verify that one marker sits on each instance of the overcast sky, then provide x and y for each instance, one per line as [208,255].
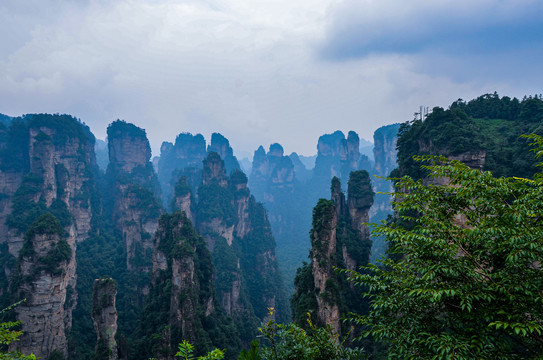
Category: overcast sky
[262,71]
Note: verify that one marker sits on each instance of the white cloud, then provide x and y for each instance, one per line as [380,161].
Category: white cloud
[246,70]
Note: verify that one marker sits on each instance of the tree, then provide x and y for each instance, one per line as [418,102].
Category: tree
[291,342]
[8,335]
[466,282]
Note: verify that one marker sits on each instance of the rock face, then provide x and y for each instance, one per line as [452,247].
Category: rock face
[181,298]
[47,265]
[385,154]
[104,317]
[272,173]
[187,152]
[338,239]
[135,208]
[239,236]
[221,146]
[323,251]
[384,149]
[176,243]
[49,213]
[337,156]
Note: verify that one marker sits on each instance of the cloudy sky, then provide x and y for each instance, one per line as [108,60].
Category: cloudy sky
[262,71]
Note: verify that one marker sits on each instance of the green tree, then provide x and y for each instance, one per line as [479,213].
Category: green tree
[186,349]
[291,342]
[467,281]
[8,335]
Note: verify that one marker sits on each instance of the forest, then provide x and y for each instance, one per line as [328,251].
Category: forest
[430,250]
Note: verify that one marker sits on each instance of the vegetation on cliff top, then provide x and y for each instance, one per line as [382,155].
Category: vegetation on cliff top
[489,124]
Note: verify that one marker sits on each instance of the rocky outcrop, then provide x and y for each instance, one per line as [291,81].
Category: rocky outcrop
[214,171]
[323,253]
[339,239]
[384,149]
[187,153]
[337,156]
[46,270]
[272,173]
[51,211]
[183,199]
[181,294]
[359,201]
[385,154]
[104,317]
[301,173]
[350,154]
[135,208]
[221,146]
[237,232]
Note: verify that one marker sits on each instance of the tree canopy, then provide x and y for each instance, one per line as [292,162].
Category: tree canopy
[465,281]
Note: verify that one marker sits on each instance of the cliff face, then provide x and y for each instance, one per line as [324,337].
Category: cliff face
[135,207]
[337,156]
[238,234]
[187,152]
[338,239]
[323,253]
[181,297]
[384,149]
[104,317]
[385,154]
[176,244]
[221,146]
[47,267]
[51,211]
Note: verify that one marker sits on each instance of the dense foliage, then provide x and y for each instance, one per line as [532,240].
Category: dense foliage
[291,341]
[467,283]
[488,126]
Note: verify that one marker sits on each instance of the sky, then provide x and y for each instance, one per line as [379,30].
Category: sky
[262,71]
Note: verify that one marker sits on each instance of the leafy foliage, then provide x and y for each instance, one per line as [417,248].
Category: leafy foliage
[467,281]
[186,350]
[8,335]
[293,342]
[489,125]
[216,202]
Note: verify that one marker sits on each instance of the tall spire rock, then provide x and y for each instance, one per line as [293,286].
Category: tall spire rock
[338,240]
[136,206]
[181,298]
[214,170]
[104,317]
[221,146]
[385,156]
[323,252]
[50,211]
[337,156]
[182,158]
[384,149]
[350,154]
[239,236]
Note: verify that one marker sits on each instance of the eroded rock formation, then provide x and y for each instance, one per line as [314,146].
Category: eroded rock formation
[50,211]
[136,192]
[104,317]
[339,239]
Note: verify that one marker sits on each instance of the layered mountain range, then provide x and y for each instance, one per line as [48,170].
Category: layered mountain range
[185,252]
